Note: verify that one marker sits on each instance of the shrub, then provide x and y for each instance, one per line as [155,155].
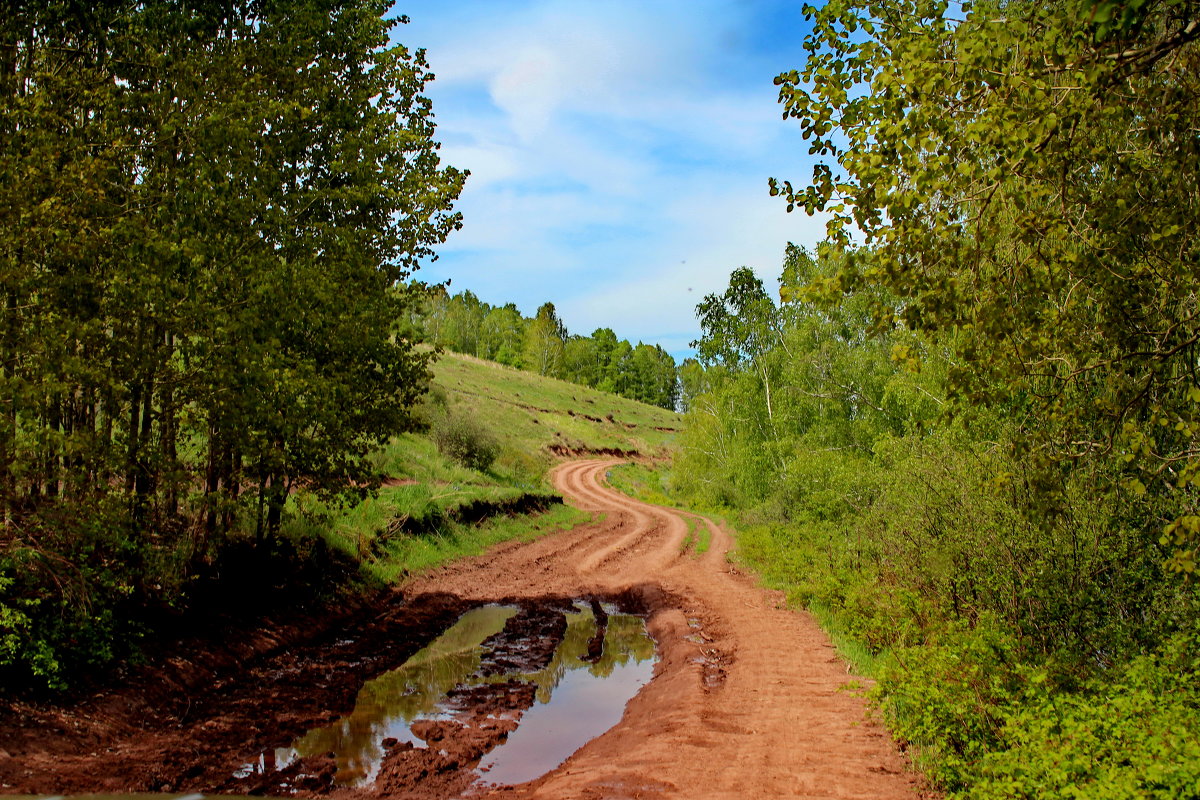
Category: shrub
[1131,734]
[464,440]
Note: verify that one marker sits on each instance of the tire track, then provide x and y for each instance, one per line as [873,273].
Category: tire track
[747,699]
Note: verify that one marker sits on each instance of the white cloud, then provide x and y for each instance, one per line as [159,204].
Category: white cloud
[712,234]
[619,164]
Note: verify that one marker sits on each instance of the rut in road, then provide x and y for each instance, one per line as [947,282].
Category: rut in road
[748,700]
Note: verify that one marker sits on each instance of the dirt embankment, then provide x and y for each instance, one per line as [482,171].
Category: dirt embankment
[747,699]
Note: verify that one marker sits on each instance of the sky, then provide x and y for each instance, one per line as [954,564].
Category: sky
[619,153]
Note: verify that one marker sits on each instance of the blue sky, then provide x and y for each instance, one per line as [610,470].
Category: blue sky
[619,152]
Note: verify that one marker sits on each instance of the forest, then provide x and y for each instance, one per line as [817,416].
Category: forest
[208,215]
[965,431]
[542,344]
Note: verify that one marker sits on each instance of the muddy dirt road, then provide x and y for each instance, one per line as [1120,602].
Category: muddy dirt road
[747,699]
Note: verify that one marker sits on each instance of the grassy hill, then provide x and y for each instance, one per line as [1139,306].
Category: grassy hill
[432,508]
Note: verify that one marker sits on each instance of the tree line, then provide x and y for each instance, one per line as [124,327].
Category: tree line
[208,215]
[965,427]
[542,344]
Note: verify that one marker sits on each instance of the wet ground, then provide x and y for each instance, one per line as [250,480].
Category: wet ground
[480,678]
[503,696]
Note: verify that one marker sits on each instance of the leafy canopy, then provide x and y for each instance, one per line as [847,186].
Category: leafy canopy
[1024,175]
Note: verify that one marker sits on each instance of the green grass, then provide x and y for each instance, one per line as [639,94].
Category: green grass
[703,538]
[531,413]
[408,554]
[649,484]
[527,415]
[641,482]
[698,537]
[761,550]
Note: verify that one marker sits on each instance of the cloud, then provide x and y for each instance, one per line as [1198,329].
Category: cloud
[619,154]
[712,234]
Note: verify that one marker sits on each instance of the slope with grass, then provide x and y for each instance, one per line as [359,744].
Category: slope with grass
[433,508]
[438,502]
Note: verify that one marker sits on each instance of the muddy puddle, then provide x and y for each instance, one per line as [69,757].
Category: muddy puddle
[503,696]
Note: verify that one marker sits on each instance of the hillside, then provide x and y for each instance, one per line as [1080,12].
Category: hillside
[533,413]
[430,508]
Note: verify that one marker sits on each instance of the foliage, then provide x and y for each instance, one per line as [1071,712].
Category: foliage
[922,538]
[20,647]
[461,438]
[990,726]
[206,214]
[1131,735]
[967,431]
[543,345]
[1024,176]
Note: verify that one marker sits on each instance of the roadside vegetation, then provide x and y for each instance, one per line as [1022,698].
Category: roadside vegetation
[967,437]
[428,511]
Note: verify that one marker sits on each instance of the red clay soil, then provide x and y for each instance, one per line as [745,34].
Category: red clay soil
[748,698]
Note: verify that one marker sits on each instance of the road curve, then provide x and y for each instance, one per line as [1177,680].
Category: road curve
[748,699]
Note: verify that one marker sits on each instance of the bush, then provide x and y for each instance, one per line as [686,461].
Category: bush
[69,588]
[949,697]
[464,440]
[1131,734]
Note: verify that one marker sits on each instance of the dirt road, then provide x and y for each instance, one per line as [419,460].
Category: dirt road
[754,709]
[747,701]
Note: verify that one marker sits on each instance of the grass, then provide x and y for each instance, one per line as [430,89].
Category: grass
[407,554]
[641,482]
[703,538]
[649,484]
[698,537]
[527,415]
[531,413]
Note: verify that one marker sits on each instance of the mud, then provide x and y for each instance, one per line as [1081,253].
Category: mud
[748,697]
[447,737]
[567,451]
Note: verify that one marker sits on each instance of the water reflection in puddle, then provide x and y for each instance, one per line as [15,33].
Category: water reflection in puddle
[387,705]
[577,698]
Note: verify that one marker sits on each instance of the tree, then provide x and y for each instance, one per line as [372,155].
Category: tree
[465,323]
[1024,175]
[692,383]
[208,214]
[741,328]
[544,341]
[579,363]
[504,334]
[652,376]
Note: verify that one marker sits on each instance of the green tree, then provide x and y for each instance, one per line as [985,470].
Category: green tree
[652,377]
[504,334]
[580,362]
[1024,175]
[692,382]
[208,214]
[545,338]
[741,328]
[464,332]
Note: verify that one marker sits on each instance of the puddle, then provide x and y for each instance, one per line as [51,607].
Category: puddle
[387,705]
[450,689]
[577,699]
